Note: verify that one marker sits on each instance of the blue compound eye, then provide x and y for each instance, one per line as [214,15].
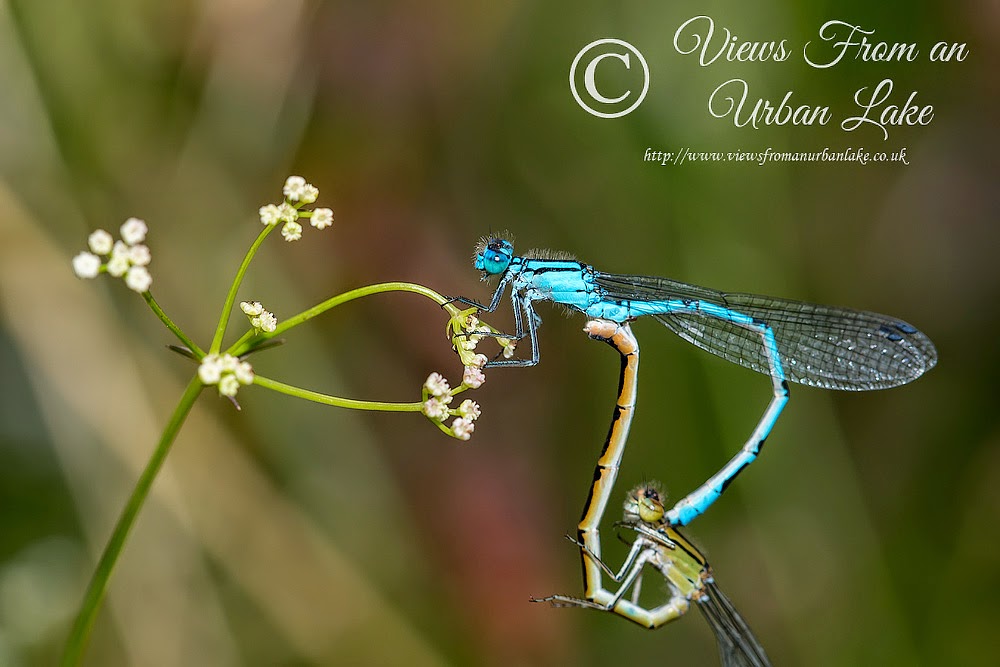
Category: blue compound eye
[495,258]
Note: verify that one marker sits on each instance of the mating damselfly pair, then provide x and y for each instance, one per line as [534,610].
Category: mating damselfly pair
[685,570]
[821,346]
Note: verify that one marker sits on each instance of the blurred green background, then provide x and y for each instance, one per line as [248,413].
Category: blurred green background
[293,534]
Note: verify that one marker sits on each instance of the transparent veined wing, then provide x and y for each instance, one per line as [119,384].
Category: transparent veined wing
[738,647]
[820,346]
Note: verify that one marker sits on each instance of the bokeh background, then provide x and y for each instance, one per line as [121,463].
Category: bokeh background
[294,534]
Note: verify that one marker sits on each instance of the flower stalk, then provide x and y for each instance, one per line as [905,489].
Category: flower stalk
[228,370]
[98,585]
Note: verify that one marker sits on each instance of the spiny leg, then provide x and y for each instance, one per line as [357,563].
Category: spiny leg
[646,553]
[522,304]
[635,550]
[494,300]
[516,303]
[684,570]
[640,555]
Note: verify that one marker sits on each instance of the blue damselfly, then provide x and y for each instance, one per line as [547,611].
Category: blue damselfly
[819,346]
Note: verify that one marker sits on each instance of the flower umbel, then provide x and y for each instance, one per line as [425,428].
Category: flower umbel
[226,371]
[260,319]
[297,194]
[438,394]
[126,259]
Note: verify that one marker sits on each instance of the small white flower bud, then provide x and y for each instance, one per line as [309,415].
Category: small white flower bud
[435,409]
[473,377]
[244,373]
[470,410]
[210,369]
[134,231]
[86,265]
[269,215]
[251,308]
[267,322]
[228,385]
[139,255]
[294,188]
[287,212]
[462,428]
[321,218]
[437,385]
[118,265]
[309,194]
[100,242]
[292,231]
[138,279]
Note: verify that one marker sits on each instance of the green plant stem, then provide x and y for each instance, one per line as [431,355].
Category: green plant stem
[227,308]
[358,293]
[244,339]
[99,580]
[368,290]
[148,296]
[336,401]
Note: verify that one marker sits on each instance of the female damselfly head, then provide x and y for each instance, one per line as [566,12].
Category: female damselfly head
[645,503]
[493,255]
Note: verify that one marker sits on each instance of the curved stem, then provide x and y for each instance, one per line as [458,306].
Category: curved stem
[336,401]
[334,301]
[148,296]
[102,573]
[358,293]
[227,308]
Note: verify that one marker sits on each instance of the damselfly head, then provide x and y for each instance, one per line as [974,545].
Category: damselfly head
[493,255]
[645,503]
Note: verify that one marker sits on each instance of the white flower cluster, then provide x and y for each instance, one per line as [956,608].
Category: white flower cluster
[297,193]
[438,395]
[128,257]
[226,371]
[260,319]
